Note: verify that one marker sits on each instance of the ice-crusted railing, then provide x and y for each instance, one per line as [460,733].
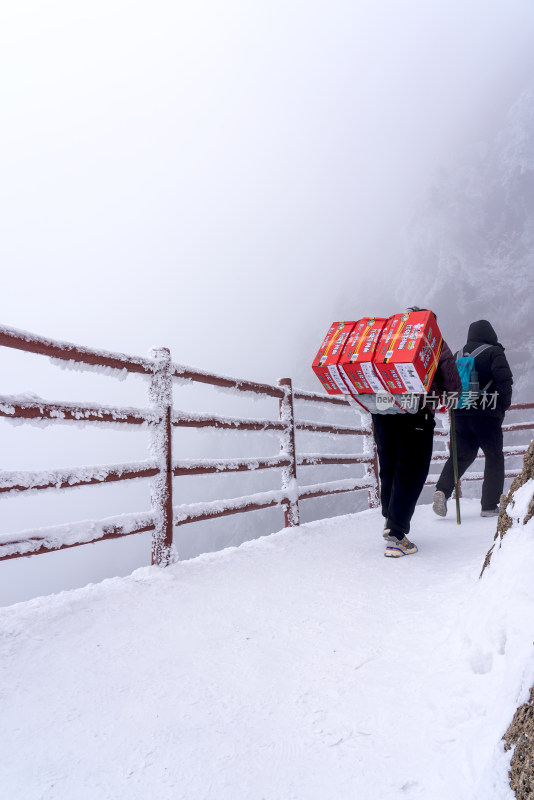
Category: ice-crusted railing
[510,451]
[159,419]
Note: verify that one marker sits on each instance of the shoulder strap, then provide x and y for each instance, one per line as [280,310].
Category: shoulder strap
[479,350]
[476,353]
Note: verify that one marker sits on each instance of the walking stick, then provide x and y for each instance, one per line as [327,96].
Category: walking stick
[455,466]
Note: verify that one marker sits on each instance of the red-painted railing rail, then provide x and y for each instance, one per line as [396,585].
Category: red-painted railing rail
[509,450]
[160,419]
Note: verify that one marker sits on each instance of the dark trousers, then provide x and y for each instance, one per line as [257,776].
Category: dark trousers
[474,431]
[404,443]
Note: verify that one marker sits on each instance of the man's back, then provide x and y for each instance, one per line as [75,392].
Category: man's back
[492,367]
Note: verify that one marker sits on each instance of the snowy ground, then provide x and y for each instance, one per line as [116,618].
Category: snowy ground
[302,666]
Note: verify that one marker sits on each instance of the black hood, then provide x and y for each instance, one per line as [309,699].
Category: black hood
[482,331]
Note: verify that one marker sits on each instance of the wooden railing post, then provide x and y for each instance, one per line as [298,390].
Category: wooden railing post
[289,473]
[163,552]
[373,471]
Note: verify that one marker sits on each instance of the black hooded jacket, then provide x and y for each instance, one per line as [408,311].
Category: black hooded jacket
[491,365]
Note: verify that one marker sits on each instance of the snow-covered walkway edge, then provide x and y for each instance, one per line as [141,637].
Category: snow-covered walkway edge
[301,666]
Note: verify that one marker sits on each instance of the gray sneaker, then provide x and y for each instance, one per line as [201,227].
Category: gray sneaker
[439,506]
[386,531]
[396,548]
[490,512]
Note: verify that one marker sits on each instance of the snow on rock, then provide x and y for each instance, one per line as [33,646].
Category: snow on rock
[519,506]
[300,666]
[516,506]
[520,736]
[516,521]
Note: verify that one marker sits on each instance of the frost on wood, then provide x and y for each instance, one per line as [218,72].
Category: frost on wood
[53,538]
[160,394]
[31,481]
[71,354]
[325,428]
[287,449]
[236,386]
[216,508]
[227,464]
[77,366]
[204,420]
[334,487]
[371,471]
[311,459]
[18,408]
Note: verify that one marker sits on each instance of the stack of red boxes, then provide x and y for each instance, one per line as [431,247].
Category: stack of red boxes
[408,352]
[376,355]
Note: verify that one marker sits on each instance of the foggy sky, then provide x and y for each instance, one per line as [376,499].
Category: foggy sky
[224,179]
[219,177]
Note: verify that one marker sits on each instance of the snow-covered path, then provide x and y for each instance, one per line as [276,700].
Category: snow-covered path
[302,666]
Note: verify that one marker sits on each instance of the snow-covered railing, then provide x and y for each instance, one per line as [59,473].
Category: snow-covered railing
[509,450]
[159,419]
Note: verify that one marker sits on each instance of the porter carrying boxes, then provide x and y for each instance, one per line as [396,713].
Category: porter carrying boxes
[375,356]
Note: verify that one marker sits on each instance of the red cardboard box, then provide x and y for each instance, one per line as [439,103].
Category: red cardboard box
[356,362]
[326,360]
[408,352]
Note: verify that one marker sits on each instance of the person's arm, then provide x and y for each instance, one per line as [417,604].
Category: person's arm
[502,379]
[447,377]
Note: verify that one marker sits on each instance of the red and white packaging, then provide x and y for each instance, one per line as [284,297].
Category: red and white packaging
[408,352]
[325,364]
[356,362]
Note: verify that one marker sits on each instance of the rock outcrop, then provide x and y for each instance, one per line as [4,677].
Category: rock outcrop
[520,735]
[505,522]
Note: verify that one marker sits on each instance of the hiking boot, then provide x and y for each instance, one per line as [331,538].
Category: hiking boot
[439,506]
[490,512]
[395,548]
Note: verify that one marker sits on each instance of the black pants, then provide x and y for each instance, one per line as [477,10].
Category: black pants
[474,431]
[404,443]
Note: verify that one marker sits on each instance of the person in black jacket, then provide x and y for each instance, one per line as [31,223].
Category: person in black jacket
[480,425]
[404,444]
